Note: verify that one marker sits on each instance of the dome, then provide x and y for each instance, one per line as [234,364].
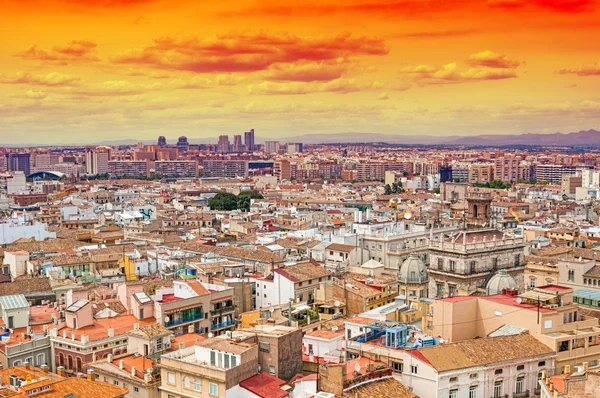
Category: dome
[413,270]
[502,280]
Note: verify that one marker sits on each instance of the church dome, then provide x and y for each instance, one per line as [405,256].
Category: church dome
[413,270]
[502,280]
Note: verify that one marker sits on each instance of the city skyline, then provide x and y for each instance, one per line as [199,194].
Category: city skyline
[111,70]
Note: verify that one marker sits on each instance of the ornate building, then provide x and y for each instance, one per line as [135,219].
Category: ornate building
[479,208]
[412,277]
[463,262]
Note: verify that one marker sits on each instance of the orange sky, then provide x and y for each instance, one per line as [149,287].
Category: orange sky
[87,71]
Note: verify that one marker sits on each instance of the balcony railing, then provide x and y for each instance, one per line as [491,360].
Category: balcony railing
[221,310]
[180,321]
[222,325]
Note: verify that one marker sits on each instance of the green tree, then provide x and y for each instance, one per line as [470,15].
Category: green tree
[243,203]
[223,201]
[388,189]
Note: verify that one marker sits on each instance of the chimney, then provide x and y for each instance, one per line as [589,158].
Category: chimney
[109,358]
[586,366]
[44,368]
[61,371]
[567,369]
[91,376]
[122,364]
[111,333]
[147,377]
[85,339]
[136,326]
[133,371]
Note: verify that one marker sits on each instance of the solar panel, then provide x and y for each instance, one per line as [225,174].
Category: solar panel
[76,306]
[142,297]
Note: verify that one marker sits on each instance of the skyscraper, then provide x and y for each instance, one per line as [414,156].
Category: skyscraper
[162,141]
[249,140]
[237,143]
[96,161]
[272,146]
[18,162]
[223,144]
[182,144]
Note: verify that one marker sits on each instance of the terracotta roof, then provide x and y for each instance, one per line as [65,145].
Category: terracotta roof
[389,388]
[478,352]
[150,331]
[265,386]
[25,286]
[325,334]
[197,287]
[340,247]
[302,272]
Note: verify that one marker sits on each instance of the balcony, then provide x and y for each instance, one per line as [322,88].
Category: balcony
[182,317]
[222,325]
[524,394]
[222,310]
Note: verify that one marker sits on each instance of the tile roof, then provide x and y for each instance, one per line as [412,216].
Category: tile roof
[302,272]
[389,388]
[150,331]
[340,247]
[265,386]
[484,351]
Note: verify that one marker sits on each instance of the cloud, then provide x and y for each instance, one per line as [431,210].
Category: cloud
[51,79]
[116,88]
[75,50]
[246,52]
[35,94]
[435,34]
[593,70]
[485,65]
[383,96]
[491,60]
[198,82]
[341,86]
[307,71]
[561,6]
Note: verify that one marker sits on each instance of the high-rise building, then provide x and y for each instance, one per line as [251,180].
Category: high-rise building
[271,146]
[176,168]
[237,143]
[249,140]
[162,141]
[140,145]
[129,168]
[183,144]
[223,146]
[283,170]
[96,161]
[18,162]
[225,168]
[294,147]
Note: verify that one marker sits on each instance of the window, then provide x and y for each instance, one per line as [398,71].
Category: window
[226,361]
[542,363]
[532,283]
[451,291]
[413,369]
[398,367]
[520,367]
[212,358]
[135,389]
[233,361]
[186,382]
[213,389]
[440,290]
[453,379]
[171,378]
[494,262]
[571,275]
[440,263]
[519,388]
[196,385]
[498,389]
[517,259]
[498,372]
[473,266]
[453,393]
[40,359]
[473,392]
[265,347]
[116,382]
[473,376]
[272,370]
[452,265]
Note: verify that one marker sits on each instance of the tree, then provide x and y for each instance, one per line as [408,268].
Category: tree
[223,201]
[388,189]
[437,191]
[397,187]
[243,203]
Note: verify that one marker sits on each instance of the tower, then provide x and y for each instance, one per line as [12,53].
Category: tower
[249,140]
[182,144]
[479,208]
[237,143]
[162,141]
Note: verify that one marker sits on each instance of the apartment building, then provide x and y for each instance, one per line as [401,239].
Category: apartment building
[553,173]
[494,367]
[224,168]
[129,168]
[376,171]
[547,312]
[176,168]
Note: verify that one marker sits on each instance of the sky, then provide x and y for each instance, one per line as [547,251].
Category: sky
[96,70]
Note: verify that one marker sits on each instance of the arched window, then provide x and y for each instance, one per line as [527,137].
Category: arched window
[61,359]
[69,362]
[186,382]
[78,363]
[196,385]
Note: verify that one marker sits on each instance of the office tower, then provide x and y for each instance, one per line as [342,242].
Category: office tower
[162,141]
[45,161]
[223,144]
[18,162]
[237,143]
[182,144]
[271,146]
[96,161]
[249,140]
[294,147]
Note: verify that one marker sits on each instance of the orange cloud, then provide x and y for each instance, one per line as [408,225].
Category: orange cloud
[116,88]
[593,70]
[490,59]
[75,50]
[248,52]
[51,79]
[562,6]
[307,71]
[341,86]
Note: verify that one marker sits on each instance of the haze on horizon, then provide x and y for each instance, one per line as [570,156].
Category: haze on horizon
[101,70]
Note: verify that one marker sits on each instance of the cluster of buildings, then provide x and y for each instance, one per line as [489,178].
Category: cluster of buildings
[352,271]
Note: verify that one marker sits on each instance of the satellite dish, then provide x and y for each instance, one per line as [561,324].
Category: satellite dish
[407,216]
[336,303]
[210,335]
[357,367]
[167,319]
[334,329]
[519,300]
